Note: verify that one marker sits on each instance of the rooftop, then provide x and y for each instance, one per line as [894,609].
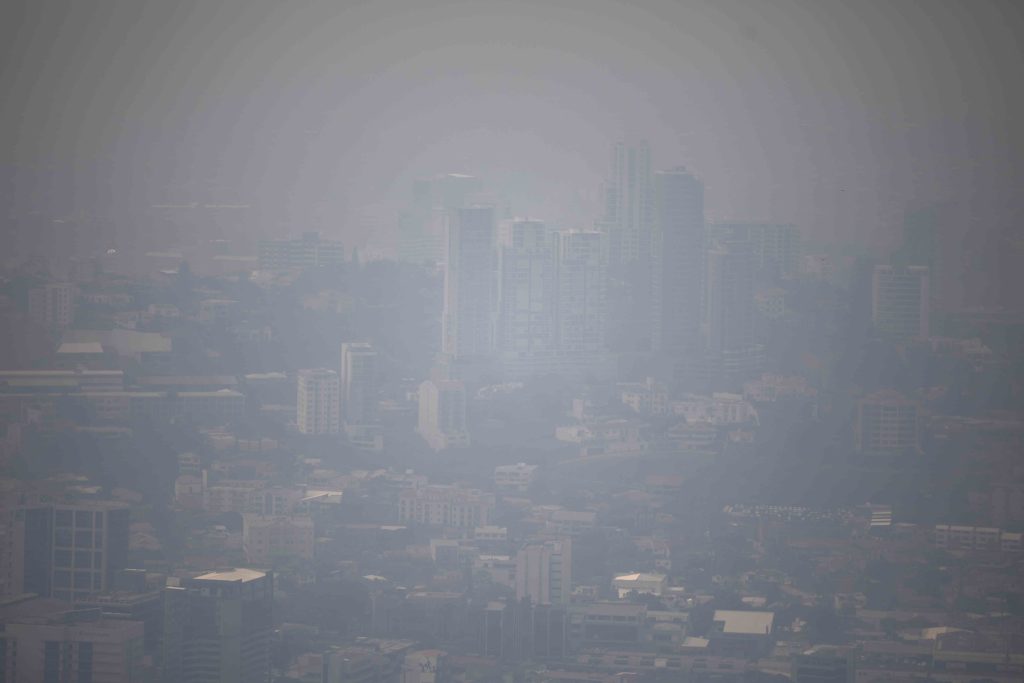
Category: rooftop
[243,575]
[742,622]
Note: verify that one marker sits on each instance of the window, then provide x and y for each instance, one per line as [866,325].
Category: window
[83,518]
[62,518]
[62,536]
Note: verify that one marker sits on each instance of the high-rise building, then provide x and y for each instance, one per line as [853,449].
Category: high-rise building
[46,640]
[731,343]
[776,248]
[923,244]
[628,223]
[901,302]
[888,423]
[581,314]
[442,413]
[421,225]
[74,550]
[679,202]
[526,291]
[544,572]
[628,205]
[359,395]
[309,251]
[317,408]
[12,546]
[53,305]
[470,285]
[218,627]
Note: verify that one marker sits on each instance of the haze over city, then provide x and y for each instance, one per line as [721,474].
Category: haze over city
[539,342]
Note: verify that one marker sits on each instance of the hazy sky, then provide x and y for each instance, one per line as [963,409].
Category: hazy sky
[833,115]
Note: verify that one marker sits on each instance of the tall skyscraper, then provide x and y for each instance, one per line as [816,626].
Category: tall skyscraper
[421,227]
[218,627]
[526,292]
[901,301]
[581,319]
[731,343]
[442,413]
[74,550]
[628,223]
[628,205]
[359,395]
[679,202]
[317,406]
[544,572]
[923,244]
[470,285]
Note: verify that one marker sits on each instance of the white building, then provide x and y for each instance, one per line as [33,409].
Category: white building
[649,397]
[641,583]
[442,414]
[901,301]
[720,408]
[448,506]
[544,572]
[317,407]
[53,305]
[516,477]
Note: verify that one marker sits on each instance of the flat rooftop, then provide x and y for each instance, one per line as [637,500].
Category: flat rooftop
[741,622]
[232,575]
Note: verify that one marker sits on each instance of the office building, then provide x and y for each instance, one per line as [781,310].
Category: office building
[544,572]
[470,285]
[581,313]
[309,251]
[53,305]
[74,550]
[516,477]
[272,538]
[46,640]
[776,248]
[448,506]
[317,408]
[359,391]
[679,203]
[888,423]
[628,224]
[901,301]
[218,628]
[442,413]
[628,205]
[731,342]
[526,290]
